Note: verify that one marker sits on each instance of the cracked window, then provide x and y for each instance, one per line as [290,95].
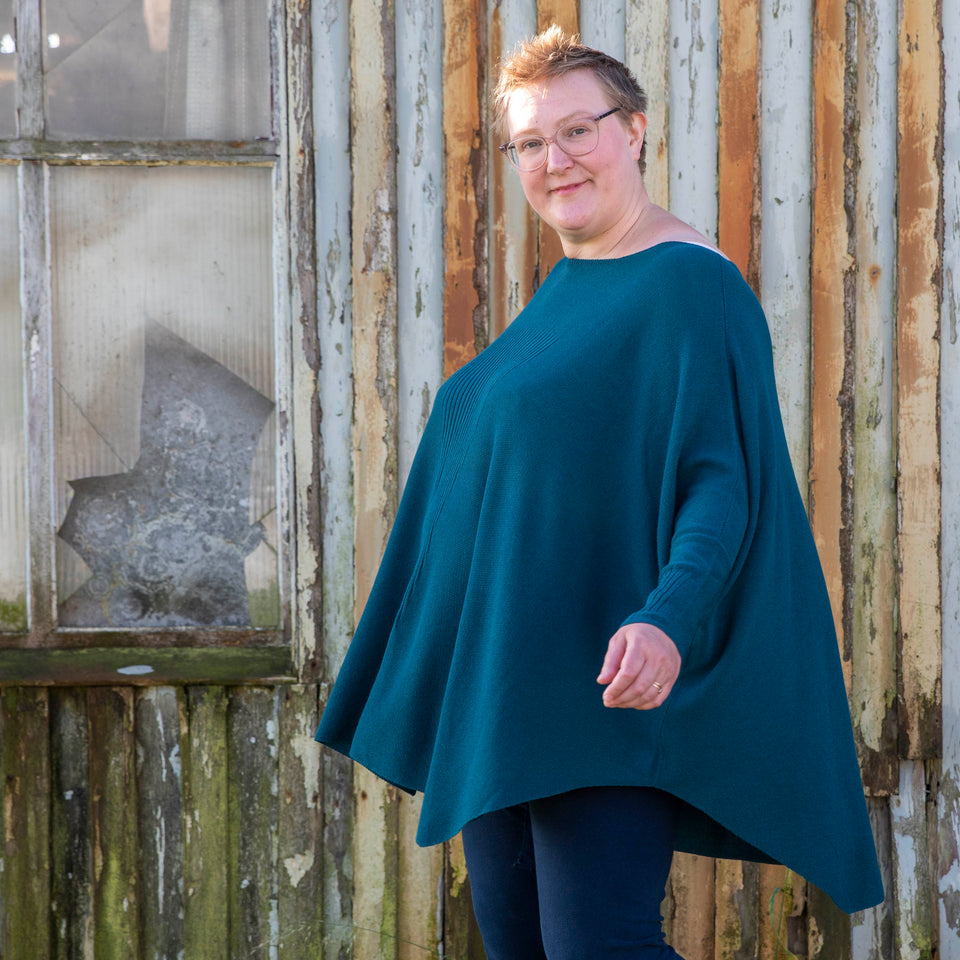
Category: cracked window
[157,69]
[163,380]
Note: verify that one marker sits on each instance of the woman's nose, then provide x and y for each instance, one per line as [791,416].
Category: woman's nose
[556,158]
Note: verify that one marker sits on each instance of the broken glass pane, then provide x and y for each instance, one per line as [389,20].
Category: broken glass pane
[165,426]
[157,69]
[8,72]
[13,513]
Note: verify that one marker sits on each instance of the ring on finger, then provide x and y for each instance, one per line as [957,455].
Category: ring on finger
[658,685]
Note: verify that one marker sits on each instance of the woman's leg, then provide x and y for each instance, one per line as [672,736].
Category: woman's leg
[602,859]
[503,883]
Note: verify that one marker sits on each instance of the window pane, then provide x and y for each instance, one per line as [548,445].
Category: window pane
[13,513]
[157,69]
[164,420]
[8,72]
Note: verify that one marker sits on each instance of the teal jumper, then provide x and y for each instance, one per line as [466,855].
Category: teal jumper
[615,456]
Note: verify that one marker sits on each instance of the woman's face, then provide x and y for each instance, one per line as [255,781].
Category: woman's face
[591,200]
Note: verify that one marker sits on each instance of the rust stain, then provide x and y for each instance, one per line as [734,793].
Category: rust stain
[564,13]
[874,274]
[462,131]
[830,334]
[739,200]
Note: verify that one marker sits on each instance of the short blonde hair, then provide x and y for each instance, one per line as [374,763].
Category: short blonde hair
[553,53]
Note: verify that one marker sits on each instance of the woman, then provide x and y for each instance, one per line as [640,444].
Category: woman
[607,486]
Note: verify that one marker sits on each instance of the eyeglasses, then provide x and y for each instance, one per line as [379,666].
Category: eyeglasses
[576,138]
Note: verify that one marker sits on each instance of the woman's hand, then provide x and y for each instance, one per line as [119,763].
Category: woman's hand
[641,667]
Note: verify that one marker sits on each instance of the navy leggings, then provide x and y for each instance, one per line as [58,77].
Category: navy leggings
[578,876]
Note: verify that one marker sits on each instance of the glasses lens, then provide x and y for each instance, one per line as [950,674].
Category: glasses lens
[528,154]
[578,138]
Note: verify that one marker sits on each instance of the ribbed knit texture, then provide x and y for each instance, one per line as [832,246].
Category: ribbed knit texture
[615,456]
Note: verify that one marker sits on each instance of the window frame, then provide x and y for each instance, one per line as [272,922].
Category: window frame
[48,653]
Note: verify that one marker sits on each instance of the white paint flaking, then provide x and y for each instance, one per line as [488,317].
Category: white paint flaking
[298,866]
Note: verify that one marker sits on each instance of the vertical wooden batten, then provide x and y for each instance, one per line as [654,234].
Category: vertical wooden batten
[203,734]
[948,797]
[300,874]
[160,790]
[466,163]
[830,497]
[647,49]
[374,260]
[738,100]
[114,804]
[420,365]
[693,61]
[25,877]
[873,546]
[918,364]
[785,133]
[514,227]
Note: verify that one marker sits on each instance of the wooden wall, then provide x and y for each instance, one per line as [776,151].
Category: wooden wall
[819,141]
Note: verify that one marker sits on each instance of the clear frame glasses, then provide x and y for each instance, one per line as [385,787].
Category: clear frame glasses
[576,139]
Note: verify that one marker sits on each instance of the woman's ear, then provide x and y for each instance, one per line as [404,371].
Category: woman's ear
[638,127]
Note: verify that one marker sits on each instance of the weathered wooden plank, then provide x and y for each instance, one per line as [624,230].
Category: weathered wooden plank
[252,811]
[782,898]
[160,794]
[420,268]
[564,13]
[374,284]
[30,49]
[689,921]
[300,823]
[785,241]
[912,882]
[420,362]
[647,48]
[71,876]
[373,45]
[25,878]
[871,931]
[513,228]
[873,689]
[466,158]
[828,929]
[918,360]
[603,25]
[736,927]
[948,799]
[129,152]
[331,107]
[694,74]
[461,935]
[38,363]
[419,872]
[738,100]
[295,223]
[113,806]
[139,665]
[337,855]
[830,503]
[375,867]
[205,851]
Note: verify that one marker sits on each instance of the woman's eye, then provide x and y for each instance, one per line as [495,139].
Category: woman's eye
[526,146]
[576,131]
